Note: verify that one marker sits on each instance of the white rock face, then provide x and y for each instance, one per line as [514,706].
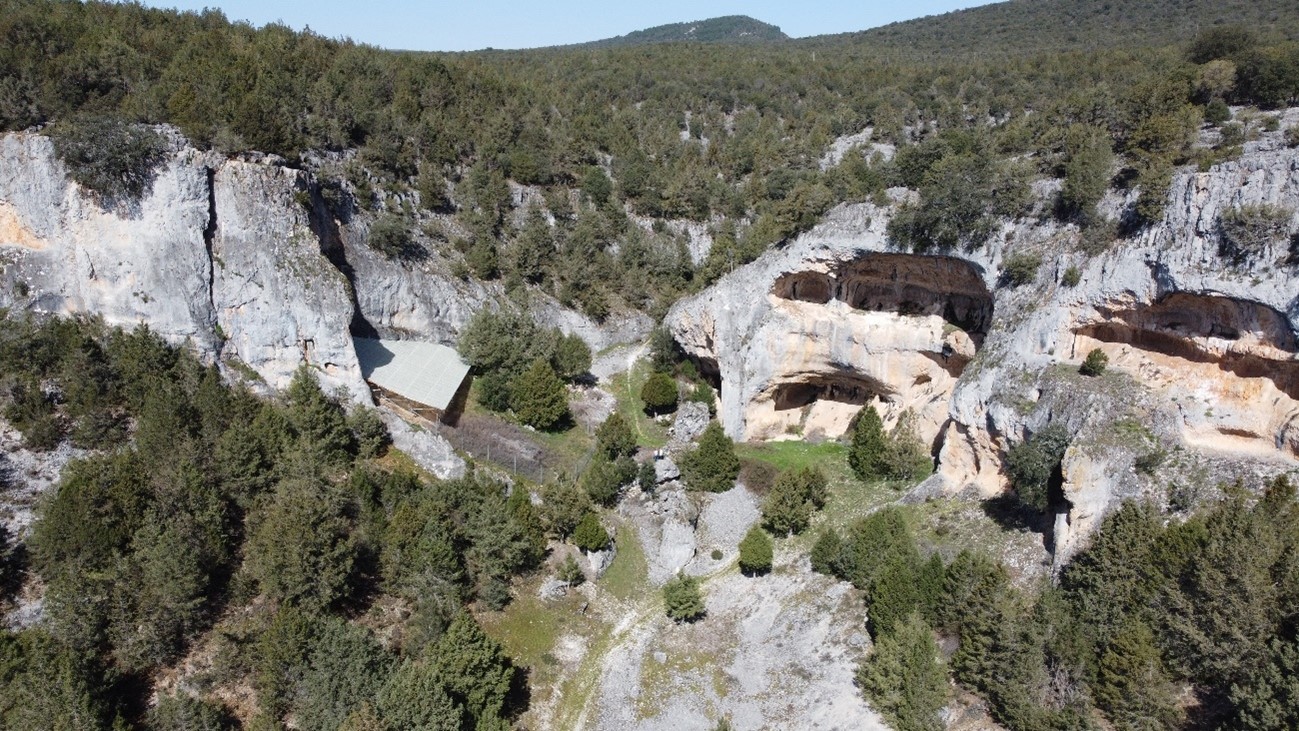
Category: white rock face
[1203,349]
[217,255]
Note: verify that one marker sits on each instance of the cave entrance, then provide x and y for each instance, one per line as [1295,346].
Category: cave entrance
[903,284]
[846,389]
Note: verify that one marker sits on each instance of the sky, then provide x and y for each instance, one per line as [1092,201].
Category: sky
[467,25]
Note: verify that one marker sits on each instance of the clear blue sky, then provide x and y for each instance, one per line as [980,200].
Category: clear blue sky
[467,25]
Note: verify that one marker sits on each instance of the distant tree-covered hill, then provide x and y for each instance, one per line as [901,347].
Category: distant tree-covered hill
[1036,26]
[727,29]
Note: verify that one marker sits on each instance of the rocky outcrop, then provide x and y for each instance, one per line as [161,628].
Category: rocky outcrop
[218,255]
[1201,342]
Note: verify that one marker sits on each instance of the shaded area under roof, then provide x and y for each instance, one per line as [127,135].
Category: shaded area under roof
[425,372]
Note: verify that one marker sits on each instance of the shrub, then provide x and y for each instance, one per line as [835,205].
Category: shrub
[1032,463]
[111,158]
[704,394]
[539,398]
[614,438]
[682,599]
[712,466]
[1292,136]
[659,393]
[1094,364]
[755,552]
[589,534]
[391,237]
[1216,112]
[1021,268]
[570,572]
[1071,277]
[1247,231]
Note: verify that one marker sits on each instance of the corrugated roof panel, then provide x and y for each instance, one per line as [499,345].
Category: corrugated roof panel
[425,372]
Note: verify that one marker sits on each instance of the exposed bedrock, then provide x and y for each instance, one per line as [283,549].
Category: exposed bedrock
[799,347]
[1232,366]
[1204,360]
[218,254]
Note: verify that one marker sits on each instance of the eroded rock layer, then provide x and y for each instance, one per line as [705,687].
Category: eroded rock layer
[1203,356]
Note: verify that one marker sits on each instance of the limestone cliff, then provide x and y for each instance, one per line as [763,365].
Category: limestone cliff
[218,254]
[1202,345]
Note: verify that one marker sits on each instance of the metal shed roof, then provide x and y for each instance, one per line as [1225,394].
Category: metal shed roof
[425,372]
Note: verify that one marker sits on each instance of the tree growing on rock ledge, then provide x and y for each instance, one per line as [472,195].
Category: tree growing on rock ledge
[682,599]
[713,465]
[1095,363]
[589,535]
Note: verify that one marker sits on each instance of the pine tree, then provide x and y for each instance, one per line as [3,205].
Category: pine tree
[713,465]
[474,670]
[904,679]
[614,438]
[589,535]
[866,453]
[682,599]
[539,398]
[755,552]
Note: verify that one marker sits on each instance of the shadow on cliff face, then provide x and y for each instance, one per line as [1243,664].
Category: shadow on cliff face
[903,284]
[1244,339]
[938,310]
[323,216]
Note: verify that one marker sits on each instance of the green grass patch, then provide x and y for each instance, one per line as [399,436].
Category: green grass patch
[795,454]
[626,389]
[628,575]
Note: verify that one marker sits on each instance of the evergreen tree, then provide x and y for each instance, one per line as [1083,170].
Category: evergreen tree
[904,678]
[1269,700]
[795,494]
[659,393]
[683,600]
[866,453]
[416,698]
[301,550]
[589,535]
[572,358]
[755,552]
[539,398]
[475,671]
[826,552]
[1132,685]
[713,465]
[319,422]
[1033,462]
[614,438]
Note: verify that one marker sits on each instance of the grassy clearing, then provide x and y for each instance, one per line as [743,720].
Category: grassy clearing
[626,389]
[627,577]
[528,630]
[785,455]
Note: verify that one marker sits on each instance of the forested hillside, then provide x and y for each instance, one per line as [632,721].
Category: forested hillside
[729,29]
[215,558]
[732,138]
